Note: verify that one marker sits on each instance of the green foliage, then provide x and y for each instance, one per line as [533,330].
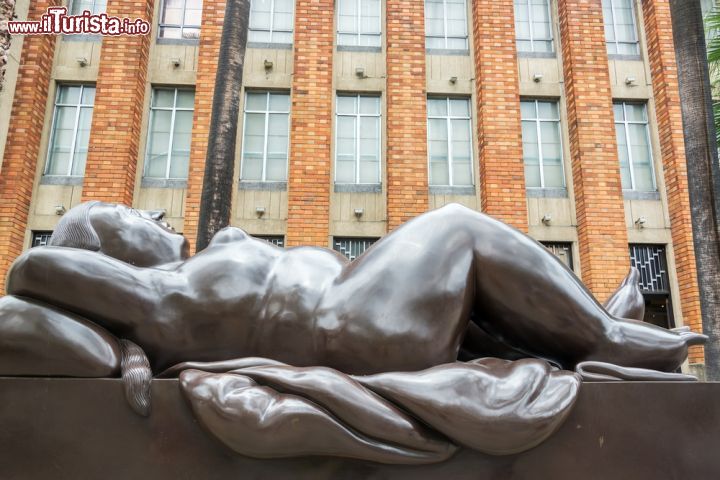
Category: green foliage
[712,33]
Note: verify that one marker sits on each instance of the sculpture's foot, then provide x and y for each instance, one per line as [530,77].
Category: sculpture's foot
[136,377]
[608,372]
[641,345]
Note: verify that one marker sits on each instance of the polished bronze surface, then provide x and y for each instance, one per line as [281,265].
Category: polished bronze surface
[299,352]
[71,429]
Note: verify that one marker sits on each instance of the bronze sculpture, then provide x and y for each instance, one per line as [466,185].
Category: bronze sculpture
[407,305]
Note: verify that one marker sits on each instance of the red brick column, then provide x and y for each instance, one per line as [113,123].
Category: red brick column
[117,115]
[311,125]
[497,91]
[602,232]
[22,149]
[213,17]
[407,161]
[658,27]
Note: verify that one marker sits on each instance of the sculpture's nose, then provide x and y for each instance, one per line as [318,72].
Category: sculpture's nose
[156,215]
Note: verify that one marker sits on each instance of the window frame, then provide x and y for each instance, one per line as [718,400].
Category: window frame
[270,30]
[53,125]
[368,242]
[445,35]
[626,126]
[538,124]
[636,33]
[357,116]
[71,4]
[448,123]
[358,21]
[174,109]
[182,26]
[38,235]
[567,248]
[532,39]
[267,113]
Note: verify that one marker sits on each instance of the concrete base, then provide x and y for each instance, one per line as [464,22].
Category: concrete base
[83,429]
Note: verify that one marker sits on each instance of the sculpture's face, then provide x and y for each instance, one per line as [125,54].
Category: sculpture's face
[138,237]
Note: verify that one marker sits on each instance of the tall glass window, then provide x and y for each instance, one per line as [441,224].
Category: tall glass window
[359,23]
[271,21]
[533,26]
[180,19]
[446,25]
[620,27]
[265,137]
[96,7]
[168,147]
[70,130]
[633,139]
[357,139]
[449,141]
[542,147]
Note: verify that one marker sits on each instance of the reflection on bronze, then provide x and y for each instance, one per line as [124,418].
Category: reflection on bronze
[448,279]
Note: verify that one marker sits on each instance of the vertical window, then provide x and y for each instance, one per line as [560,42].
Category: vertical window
[620,28]
[40,239]
[651,261]
[633,138]
[446,24]
[357,139]
[180,19]
[96,7]
[70,131]
[562,250]
[533,26]
[449,141]
[271,21]
[265,137]
[542,147]
[168,147]
[277,240]
[359,23]
[352,247]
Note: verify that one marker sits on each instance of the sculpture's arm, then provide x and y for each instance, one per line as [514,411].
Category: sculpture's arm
[112,293]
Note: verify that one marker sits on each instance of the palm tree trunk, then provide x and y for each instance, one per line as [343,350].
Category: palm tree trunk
[703,167]
[216,200]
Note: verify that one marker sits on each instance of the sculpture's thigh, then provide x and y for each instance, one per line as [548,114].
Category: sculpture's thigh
[39,340]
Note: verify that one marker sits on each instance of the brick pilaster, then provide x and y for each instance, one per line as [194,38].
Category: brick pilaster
[23,142]
[497,91]
[602,232]
[661,49]
[311,125]
[407,160]
[213,17]
[117,115]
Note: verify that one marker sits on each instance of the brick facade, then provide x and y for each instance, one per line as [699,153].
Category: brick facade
[658,27]
[311,125]
[117,116]
[497,92]
[22,149]
[212,22]
[407,160]
[599,202]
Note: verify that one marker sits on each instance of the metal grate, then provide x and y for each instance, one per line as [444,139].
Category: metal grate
[277,240]
[652,263]
[352,247]
[40,239]
[562,250]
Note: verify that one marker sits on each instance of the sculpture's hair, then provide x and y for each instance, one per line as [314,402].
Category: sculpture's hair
[136,377]
[75,230]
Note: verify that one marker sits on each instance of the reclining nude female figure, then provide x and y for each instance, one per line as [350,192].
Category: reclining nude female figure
[404,305]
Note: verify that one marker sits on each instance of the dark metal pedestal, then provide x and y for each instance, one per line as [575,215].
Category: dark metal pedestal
[83,429]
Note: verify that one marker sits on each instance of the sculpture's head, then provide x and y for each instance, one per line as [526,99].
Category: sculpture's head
[137,237]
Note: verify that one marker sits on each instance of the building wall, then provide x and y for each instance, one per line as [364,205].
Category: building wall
[594,215]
